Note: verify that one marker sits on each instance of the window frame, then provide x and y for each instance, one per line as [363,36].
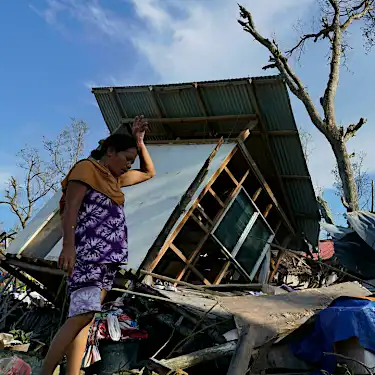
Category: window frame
[256,215]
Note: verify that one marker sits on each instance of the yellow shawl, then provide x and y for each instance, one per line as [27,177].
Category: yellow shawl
[96,176]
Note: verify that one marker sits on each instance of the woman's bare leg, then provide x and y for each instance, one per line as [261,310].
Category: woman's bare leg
[64,337]
[77,348]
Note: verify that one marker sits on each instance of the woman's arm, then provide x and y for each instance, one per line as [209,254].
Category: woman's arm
[74,196]
[147,169]
[144,173]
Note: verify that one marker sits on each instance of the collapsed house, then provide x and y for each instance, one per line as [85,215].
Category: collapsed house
[232,190]
[231,180]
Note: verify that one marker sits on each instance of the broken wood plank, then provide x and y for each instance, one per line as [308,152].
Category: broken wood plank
[180,282]
[204,355]
[242,355]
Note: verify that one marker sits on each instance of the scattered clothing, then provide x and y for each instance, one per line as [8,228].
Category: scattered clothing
[104,327]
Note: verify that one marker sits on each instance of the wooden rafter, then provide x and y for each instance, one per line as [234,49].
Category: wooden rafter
[121,108]
[203,107]
[248,117]
[159,112]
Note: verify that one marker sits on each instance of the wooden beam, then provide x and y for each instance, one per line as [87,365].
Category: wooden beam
[236,118]
[204,355]
[34,267]
[216,197]
[222,273]
[201,211]
[174,281]
[263,182]
[267,210]
[231,175]
[179,253]
[212,141]
[256,194]
[241,358]
[279,258]
[201,225]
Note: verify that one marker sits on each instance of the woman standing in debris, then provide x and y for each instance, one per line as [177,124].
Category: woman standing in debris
[95,235]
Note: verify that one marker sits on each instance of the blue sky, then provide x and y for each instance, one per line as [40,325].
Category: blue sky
[53,51]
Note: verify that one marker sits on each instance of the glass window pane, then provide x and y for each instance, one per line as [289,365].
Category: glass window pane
[253,245]
[233,224]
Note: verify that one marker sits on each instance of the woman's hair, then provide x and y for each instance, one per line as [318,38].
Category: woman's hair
[119,142]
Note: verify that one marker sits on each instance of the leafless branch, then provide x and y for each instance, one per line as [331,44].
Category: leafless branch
[42,176]
[353,128]
[279,61]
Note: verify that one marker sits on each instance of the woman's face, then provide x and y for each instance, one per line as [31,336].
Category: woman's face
[120,162]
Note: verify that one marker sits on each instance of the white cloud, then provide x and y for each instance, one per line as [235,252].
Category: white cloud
[207,42]
[97,20]
[201,40]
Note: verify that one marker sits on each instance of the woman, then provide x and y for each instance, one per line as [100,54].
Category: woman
[95,235]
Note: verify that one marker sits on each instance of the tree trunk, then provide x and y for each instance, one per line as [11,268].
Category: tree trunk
[346,173]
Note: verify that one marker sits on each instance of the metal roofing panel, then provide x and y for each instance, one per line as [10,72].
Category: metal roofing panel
[230,97]
[289,157]
[274,103]
[179,103]
[135,103]
[110,111]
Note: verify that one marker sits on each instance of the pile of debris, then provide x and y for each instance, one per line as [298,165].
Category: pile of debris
[164,326]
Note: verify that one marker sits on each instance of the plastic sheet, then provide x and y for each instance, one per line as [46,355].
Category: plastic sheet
[344,319]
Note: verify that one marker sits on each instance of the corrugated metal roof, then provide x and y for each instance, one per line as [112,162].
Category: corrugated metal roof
[224,98]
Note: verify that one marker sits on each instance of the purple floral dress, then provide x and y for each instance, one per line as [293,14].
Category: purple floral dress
[101,245]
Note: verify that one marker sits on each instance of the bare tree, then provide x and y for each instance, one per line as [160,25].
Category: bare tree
[306,142]
[65,150]
[337,17]
[40,174]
